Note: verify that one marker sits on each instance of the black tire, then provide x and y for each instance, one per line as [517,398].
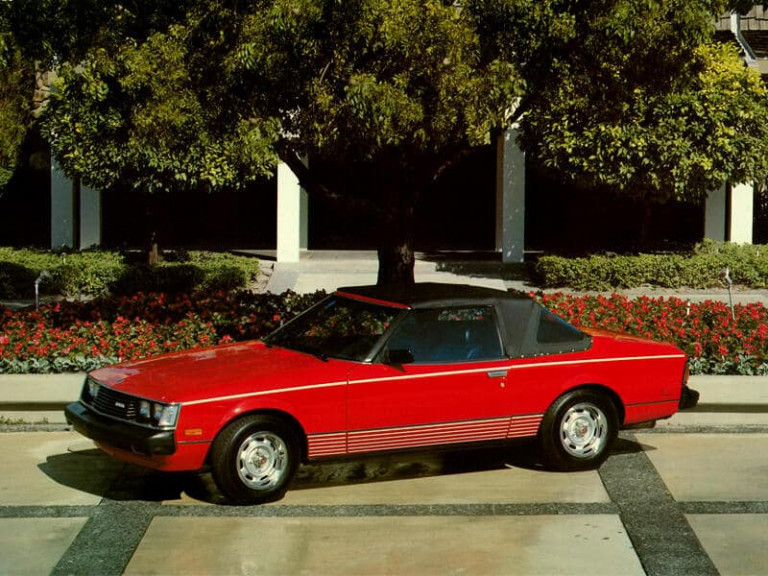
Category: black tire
[578,430]
[254,459]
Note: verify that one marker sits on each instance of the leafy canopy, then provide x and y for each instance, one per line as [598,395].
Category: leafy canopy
[629,94]
[15,100]
[382,95]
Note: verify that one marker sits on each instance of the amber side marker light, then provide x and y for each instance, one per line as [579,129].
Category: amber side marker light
[193,432]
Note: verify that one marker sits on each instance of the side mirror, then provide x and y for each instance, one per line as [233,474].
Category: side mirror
[399,356]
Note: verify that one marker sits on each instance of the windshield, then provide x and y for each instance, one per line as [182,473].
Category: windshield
[336,328]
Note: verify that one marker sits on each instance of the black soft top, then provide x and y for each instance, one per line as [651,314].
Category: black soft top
[528,328]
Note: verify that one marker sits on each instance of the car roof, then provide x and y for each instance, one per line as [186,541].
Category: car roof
[428,294]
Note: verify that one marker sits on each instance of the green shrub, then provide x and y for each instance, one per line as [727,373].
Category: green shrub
[93,273]
[702,268]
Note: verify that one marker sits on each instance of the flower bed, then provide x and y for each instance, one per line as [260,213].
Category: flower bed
[716,341]
[74,336]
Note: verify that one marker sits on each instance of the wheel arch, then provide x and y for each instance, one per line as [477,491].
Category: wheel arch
[295,425]
[606,391]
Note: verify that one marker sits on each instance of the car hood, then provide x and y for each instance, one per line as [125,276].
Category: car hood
[232,369]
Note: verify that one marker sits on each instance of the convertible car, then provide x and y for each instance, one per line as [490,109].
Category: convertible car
[377,368]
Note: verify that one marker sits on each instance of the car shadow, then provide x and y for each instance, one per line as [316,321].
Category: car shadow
[409,465]
[96,473]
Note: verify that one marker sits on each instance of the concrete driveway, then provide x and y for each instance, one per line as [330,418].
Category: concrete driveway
[666,502]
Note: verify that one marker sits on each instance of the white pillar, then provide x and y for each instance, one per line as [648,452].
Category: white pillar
[715,214]
[510,197]
[292,217]
[729,214]
[742,213]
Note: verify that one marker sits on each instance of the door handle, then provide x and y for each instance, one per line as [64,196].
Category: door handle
[496,373]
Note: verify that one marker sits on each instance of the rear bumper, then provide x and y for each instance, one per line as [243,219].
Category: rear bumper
[689,398]
[121,435]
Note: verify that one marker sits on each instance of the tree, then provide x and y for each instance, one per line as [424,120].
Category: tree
[16,82]
[384,95]
[657,117]
[380,95]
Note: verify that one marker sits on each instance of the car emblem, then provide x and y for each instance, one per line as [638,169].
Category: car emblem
[119,404]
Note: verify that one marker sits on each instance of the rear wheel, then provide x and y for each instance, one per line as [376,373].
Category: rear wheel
[578,430]
[253,459]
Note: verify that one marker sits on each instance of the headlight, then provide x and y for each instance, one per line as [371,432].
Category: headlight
[165,414]
[93,388]
[157,413]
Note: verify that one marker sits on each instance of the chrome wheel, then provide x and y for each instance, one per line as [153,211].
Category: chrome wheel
[262,461]
[583,430]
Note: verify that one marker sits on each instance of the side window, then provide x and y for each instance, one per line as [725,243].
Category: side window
[449,335]
[553,330]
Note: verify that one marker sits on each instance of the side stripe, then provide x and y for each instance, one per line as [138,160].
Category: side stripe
[521,426]
[428,375]
[327,444]
[363,441]
[265,392]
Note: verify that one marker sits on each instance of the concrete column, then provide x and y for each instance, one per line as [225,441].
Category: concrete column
[742,215]
[90,217]
[716,214]
[510,197]
[292,217]
[62,209]
[729,214]
[70,211]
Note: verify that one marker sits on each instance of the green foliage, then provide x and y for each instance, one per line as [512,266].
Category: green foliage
[101,272]
[16,81]
[704,268]
[135,114]
[645,105]
[383,95]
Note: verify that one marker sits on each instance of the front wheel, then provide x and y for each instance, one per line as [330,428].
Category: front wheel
[578,430]
[253,459]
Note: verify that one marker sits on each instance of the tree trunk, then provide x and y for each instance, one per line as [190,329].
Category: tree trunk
[396,262]
[396,258]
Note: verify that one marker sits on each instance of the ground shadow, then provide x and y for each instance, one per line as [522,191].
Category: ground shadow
[478,265]
[409,465]
[96,473]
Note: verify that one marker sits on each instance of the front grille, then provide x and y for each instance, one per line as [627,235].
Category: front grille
[116,404]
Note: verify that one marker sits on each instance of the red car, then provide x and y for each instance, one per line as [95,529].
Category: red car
[373,369]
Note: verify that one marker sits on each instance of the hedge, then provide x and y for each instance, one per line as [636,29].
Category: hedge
[94,273]
[703,268]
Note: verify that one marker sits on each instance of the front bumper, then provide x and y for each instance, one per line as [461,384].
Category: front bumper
[689,398]
[122,435]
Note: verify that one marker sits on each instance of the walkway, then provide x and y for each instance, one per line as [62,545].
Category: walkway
[663,504]
[328,270]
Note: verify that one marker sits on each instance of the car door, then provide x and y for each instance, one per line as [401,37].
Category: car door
[451,390]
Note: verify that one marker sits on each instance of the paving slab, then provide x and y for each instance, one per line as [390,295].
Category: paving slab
[35,545]
[328,271]
[512,485]
[53,469]
[387,545]
[736,543]
[429,479]
[711,467]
